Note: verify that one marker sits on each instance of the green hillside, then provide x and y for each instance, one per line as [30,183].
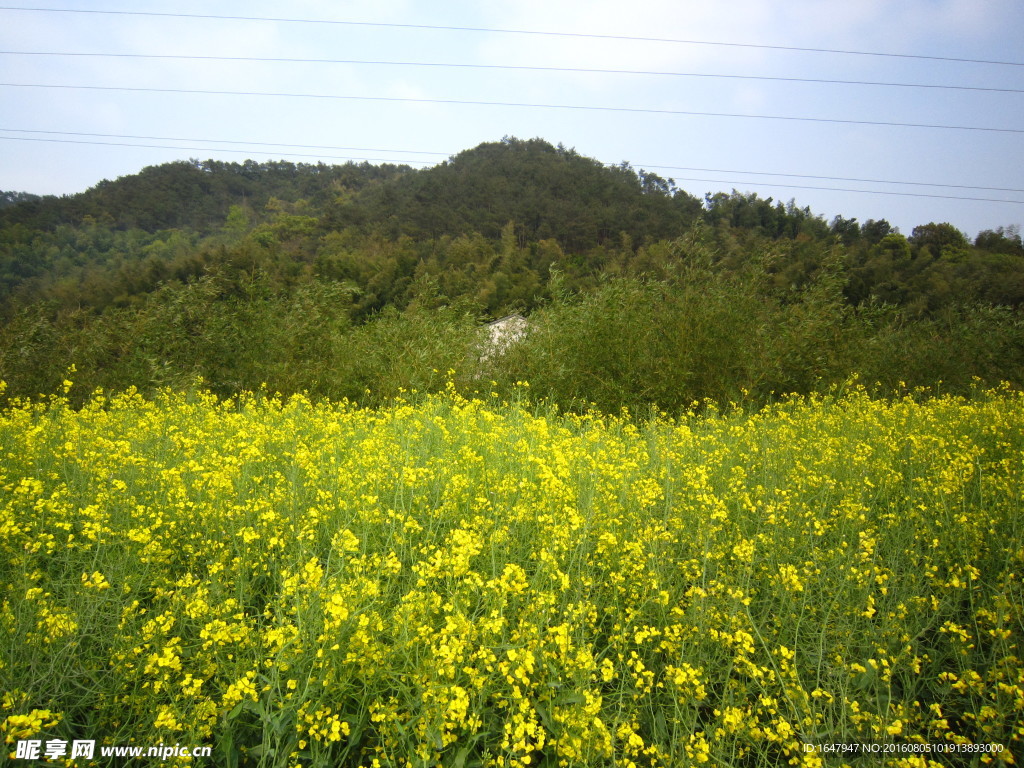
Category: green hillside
[343,279]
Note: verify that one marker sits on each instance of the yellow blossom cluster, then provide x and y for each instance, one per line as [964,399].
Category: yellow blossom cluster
[452,582]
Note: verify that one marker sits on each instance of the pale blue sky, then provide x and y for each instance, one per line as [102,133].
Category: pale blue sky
[728,149]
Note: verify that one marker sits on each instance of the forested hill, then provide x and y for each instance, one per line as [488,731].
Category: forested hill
[547,192]
[382,227]
[191,194]
[276,265]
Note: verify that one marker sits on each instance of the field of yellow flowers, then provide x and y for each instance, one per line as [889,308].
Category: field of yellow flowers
[462,583]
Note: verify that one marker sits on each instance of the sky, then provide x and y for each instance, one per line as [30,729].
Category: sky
[714,95]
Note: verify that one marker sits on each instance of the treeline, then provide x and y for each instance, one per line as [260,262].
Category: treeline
[192,194]
[360,281]
[698,333]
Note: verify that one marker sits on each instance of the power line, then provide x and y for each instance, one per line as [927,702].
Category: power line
[858,191]
[449,154]
[516,67]
[467,102]
[830,178]
[224,141]
[210,149]
[500,30]
[422,162]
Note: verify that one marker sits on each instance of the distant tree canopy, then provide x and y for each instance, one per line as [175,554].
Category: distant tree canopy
[548,192]
[487,226]
[12,198]
[194,194]
[266,248]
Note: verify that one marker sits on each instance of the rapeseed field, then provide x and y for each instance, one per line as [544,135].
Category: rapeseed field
[453,582]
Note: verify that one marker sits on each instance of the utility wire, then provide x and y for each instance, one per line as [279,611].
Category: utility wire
[516,67]
[467,102]
[223,141]
[500,30]
[829,178]
[711,181]
[213,149]
[859,191]
[449,154]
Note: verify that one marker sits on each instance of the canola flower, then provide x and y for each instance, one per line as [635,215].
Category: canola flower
[455,583]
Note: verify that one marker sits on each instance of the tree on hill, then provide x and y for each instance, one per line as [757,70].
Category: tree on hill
[1001,240]
[13,198]
[937,238]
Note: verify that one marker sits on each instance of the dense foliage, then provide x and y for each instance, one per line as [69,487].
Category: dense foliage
[341,279]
